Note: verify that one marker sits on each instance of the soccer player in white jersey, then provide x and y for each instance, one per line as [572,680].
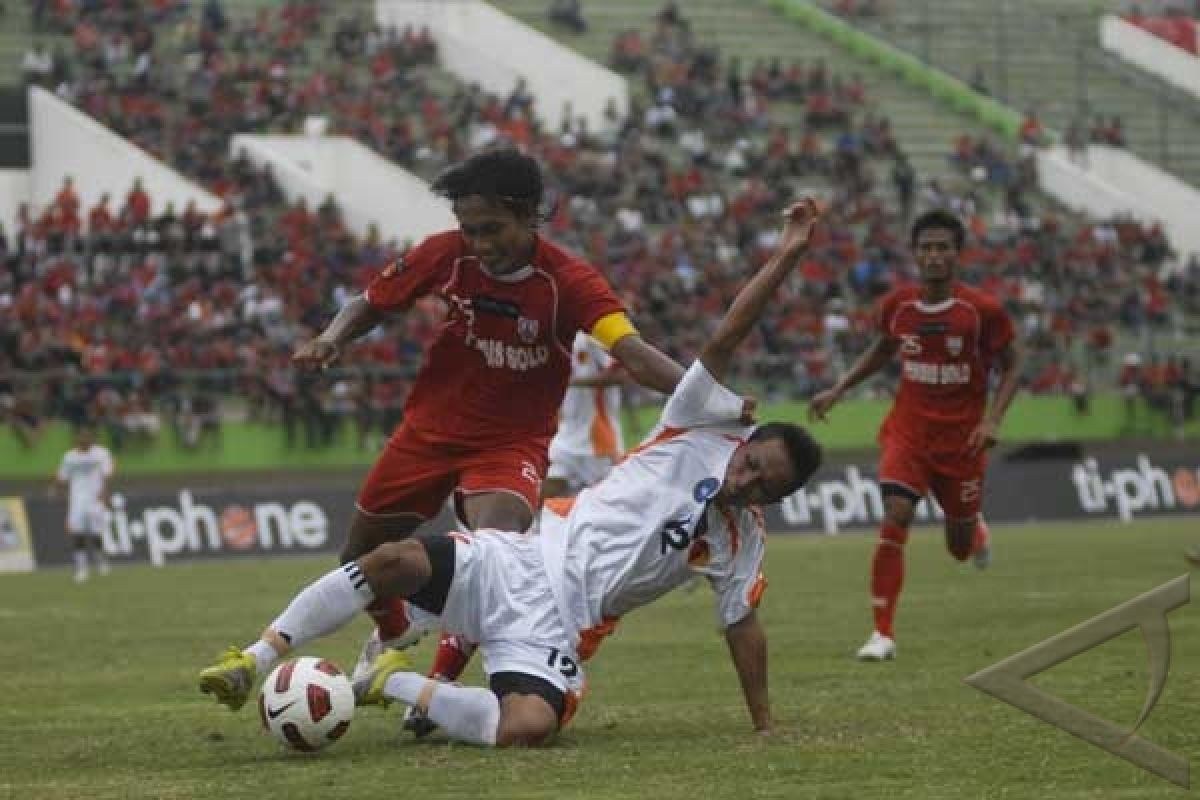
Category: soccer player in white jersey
[589,438]
[682,503]
[86,470]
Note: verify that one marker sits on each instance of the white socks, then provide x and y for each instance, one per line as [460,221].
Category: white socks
[321,608]
[466,713]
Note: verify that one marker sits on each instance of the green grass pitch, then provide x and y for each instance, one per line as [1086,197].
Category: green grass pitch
[101,702]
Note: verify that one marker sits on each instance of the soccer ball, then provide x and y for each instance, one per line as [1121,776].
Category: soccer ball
[306,703]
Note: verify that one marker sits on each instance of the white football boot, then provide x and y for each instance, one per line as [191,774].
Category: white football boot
[877,648]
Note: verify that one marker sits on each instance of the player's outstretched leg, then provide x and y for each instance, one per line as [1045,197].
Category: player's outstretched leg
[887,579]
[231,678]
[324,606]
[453,654]
[466,713]
[393,631]
[369,686]
[981,547]
[81,558]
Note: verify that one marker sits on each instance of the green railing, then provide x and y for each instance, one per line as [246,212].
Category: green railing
[942,86]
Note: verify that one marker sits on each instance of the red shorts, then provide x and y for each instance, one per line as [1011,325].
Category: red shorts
[955,480]
[414,475]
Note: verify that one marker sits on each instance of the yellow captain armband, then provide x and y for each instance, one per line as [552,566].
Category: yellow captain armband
[612,328]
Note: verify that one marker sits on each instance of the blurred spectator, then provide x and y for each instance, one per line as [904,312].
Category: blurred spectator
[1077,143]
[199,421]
[1032,133]
[568,14]
[1110,132]
[37,66]
[22,415]
[978,81]
[1130,381]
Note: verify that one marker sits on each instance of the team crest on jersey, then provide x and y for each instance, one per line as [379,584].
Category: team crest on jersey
[954,345]
[527,329]
[910,344]
[705,490]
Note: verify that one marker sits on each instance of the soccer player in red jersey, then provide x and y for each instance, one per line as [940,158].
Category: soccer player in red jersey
[950,337]
[482,410]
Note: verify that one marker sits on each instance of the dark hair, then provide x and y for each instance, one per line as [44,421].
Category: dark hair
[504,175]
[939,219]
[803,450]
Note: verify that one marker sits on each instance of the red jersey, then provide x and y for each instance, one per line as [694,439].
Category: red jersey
[946,352]
[498,368]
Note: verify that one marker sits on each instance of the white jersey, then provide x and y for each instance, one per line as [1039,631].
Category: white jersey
[650,526]
[589,423]
[85,472]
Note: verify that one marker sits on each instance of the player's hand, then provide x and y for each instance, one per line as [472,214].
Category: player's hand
[822,402]
[749,406]
[802,218]
[983,437]
[316,354]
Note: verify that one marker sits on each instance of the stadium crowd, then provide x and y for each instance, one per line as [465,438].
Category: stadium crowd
[131,314]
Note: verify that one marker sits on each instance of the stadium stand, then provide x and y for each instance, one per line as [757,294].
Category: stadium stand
[671,204]
[1058,72]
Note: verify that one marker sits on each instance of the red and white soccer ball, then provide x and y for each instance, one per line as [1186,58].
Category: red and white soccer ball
[307,703]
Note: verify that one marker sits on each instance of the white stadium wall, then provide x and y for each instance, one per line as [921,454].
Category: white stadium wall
[1111,181]
[65,141]
[1147,51]
[367,187]
[483,45]
[14,190]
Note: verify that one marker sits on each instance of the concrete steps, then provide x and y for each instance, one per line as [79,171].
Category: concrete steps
[753,31]
[1051,61]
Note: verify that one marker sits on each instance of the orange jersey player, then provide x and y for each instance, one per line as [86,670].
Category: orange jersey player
[949,338]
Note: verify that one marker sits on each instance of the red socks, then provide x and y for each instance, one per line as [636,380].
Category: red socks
[390,617]
[887,575]
[453,653]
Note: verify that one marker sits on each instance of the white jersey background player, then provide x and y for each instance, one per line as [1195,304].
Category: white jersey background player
[86,470]
[589,439]
[682,503]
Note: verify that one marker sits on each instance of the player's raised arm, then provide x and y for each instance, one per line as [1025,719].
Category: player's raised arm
[354,319]
[752,300]
[646,364]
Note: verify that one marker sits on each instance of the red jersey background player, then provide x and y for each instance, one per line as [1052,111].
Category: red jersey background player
[482,410]
[949,337]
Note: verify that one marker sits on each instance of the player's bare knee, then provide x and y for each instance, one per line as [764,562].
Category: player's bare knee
[368,531]
[898,510]
[396,568]
[525,721]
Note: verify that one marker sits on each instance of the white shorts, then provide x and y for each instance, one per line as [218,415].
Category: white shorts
[501,598]
[86,518]
[579,471]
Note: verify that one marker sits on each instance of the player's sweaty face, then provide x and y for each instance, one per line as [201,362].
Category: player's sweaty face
[495,235]
[936,254]
[758,473]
